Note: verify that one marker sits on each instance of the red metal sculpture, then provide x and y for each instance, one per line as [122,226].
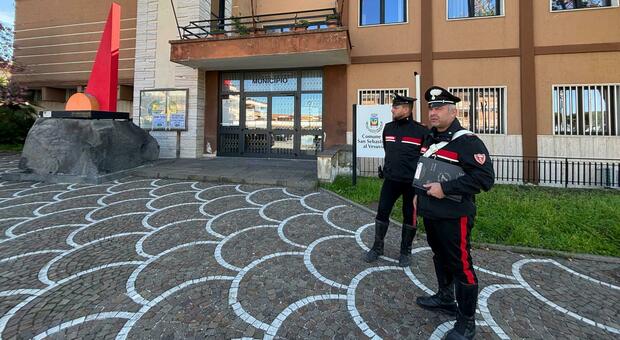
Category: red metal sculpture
[101,91]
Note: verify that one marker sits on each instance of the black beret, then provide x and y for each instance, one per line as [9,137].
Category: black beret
[437,96]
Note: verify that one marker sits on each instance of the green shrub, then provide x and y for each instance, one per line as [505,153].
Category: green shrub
[332,17]
[240,27]
[303,23]
[15,122]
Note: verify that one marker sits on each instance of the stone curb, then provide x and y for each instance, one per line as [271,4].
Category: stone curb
[306,185]
[62,178]
[514,249]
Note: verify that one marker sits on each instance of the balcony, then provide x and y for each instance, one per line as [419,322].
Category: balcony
[281,40]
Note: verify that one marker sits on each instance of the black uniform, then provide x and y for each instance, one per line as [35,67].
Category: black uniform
[402,140]
[448,223]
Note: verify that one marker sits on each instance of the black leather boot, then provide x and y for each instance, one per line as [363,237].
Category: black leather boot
[443,300]
[377,248]
[405,245]
[465,326]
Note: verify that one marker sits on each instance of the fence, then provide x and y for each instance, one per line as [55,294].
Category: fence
[265,23]
[558,171]
[550,171]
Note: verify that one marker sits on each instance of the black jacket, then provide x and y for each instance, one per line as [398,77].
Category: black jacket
[402,140]
[468,152]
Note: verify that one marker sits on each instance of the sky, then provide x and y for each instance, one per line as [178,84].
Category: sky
[7,12]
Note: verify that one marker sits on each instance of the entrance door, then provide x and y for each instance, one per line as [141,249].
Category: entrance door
[271,114]
[271,126]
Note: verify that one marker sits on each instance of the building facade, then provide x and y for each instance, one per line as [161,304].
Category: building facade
[270,78]
[56,43]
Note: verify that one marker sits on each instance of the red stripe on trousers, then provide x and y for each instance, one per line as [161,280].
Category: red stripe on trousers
[464,253]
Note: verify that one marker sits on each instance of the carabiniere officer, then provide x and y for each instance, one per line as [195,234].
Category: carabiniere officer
[402,139]
[448,223]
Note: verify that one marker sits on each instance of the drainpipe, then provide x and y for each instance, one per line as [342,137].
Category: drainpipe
[418,113]
[221,14]
[253,19]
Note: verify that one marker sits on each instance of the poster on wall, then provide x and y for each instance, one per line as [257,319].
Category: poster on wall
[159,122]
[163,110]
[177,121]
[371,120]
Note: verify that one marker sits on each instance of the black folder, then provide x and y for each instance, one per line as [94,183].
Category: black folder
[430,170]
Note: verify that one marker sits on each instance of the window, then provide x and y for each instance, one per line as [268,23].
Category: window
[378,96]
[563,5]
[289,28]
[316,27]
[481,109]
[586,110]
[278,29]
[458,9]
[377,12]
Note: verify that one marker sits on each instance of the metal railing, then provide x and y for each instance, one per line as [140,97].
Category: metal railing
[546,171]
[264,23]
[558,171]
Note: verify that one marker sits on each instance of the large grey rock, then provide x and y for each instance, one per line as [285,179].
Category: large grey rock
[85,148]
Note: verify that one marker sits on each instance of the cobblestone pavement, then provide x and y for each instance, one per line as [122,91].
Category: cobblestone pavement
[142,258]
[8,162]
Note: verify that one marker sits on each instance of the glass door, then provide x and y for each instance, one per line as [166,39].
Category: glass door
[256,133]
[311,124]
[271,125]
[284,126]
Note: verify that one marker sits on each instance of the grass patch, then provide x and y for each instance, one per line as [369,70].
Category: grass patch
[574,220]
[11,147]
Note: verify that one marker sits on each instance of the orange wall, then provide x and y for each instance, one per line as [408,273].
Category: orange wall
[335,109]
[378,76]
[485,72]
[585,68]
[499,32]
[385,39]
[575,27]
[242,8]
[273,6]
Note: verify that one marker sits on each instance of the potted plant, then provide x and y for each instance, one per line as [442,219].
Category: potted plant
[332,20]
[239,27]
[217,33]
[302,25]
[259,31]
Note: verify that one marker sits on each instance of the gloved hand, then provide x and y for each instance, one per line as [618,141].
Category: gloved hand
[380,172]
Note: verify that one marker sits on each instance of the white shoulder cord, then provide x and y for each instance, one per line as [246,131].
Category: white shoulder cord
[436,147]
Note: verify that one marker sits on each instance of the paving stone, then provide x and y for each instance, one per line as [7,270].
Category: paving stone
[129,194]
[110,227]
[189,289]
